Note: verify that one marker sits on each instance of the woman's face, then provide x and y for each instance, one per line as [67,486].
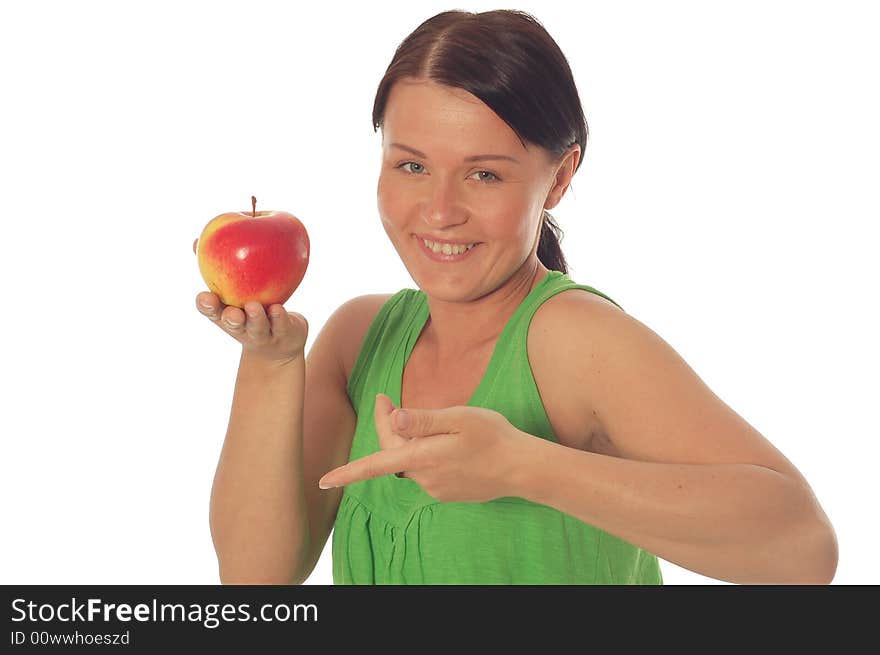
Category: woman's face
[432,187]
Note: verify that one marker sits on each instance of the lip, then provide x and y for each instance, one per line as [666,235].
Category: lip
[439,256]
[439,240]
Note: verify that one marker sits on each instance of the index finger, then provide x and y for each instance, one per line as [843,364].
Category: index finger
[383,462]
[208,301]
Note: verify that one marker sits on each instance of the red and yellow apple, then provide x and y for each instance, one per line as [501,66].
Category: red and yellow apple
[258,255]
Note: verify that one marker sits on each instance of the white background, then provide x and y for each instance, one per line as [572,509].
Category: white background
[728,200]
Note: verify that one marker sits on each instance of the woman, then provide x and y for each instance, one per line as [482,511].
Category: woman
[548,437]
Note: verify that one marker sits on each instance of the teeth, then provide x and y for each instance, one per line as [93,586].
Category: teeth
[449,249]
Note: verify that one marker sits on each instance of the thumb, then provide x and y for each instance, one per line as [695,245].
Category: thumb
[302,319]
[423,422]
[388,436]
[384,403]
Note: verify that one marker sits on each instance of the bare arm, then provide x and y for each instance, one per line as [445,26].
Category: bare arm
[742,523]
[695,483]
[258,515]
[291,421]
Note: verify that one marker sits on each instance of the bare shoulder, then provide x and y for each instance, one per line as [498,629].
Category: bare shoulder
[641,395]
[349,324]
[565,325]
[562,334]
[576,326]
[577,300]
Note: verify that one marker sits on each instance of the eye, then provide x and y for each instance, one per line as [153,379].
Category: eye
[492,177]
[483,176]
[411,163]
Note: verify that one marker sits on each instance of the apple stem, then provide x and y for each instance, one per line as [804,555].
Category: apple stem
[254,205]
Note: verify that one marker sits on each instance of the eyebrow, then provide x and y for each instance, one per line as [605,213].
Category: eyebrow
[419,153]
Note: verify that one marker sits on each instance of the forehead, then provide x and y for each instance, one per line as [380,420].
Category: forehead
[433,115]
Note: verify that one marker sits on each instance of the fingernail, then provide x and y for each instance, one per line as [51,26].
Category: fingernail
[325,485]
[401,419]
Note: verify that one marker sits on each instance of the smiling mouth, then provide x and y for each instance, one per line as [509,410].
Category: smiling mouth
[446,253]
[448,248]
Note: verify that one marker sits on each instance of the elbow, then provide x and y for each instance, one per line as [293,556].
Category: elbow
[820,567]
[827,550]
[814,543]
[805,552]
[239,564]
[808,562]
[232,577]
[241,573]
[829,558]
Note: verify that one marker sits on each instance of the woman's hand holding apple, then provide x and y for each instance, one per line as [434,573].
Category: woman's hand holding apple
[278,336]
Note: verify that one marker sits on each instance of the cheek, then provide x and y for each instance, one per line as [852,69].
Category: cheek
[508,217]
[389,198]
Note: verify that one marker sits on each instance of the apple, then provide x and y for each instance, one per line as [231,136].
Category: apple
[246,256]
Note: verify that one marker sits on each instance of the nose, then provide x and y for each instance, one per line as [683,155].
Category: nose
[443,205]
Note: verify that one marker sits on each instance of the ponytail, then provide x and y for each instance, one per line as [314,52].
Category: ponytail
[549,250]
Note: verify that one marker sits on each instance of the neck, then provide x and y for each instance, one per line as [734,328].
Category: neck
[458,329]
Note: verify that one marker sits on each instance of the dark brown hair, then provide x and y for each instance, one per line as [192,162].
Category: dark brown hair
[508,60]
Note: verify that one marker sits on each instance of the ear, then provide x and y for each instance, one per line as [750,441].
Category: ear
[564,173]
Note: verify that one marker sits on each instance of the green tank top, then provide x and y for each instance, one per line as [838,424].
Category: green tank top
[390,531]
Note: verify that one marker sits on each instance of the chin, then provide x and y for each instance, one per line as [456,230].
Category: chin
[448,289]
